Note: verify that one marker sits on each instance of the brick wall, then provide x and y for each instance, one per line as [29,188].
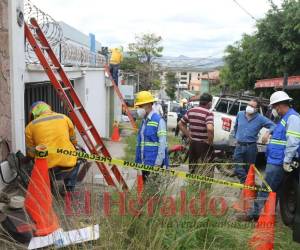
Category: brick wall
[5,108]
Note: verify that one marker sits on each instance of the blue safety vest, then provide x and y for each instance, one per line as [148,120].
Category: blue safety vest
[276,147]
[149,146]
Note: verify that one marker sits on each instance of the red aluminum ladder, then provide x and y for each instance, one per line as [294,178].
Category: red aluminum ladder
[68,95]
[133,124]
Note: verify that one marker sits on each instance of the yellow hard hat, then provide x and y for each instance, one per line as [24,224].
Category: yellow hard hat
[38,108]
[143,97]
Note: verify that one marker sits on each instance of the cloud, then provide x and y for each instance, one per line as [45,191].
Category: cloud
[188,27]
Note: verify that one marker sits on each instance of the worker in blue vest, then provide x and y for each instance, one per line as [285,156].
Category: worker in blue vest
[282,150]
[152,136]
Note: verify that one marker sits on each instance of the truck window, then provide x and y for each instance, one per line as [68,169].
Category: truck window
[222,106]
[243,106]
[234,108]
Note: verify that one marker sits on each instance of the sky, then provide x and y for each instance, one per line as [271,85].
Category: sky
[194,28]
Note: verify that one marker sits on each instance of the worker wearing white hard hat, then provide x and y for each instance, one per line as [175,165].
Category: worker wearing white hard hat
[283,149]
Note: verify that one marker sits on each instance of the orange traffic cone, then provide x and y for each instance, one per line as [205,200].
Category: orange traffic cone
[247,195]
[263,236]
[140,185]
[116,134]
[38,200]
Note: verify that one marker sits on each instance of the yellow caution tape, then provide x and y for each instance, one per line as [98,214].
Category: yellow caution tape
[155,169]
[263,179]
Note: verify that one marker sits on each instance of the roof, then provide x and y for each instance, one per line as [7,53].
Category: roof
[277,82]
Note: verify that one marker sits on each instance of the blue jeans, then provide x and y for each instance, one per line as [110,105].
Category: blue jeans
[69,177]
[244,154]
[274,175]
[114,71]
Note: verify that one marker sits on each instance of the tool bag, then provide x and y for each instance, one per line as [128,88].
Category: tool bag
[18,225]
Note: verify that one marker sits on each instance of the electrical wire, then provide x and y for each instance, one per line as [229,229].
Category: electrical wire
[246,11]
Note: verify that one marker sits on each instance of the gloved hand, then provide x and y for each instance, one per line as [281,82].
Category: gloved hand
[289,167]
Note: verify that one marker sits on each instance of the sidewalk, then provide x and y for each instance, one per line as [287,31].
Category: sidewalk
[117,150]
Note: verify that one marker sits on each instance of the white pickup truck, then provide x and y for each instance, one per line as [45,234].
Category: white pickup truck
[225,112]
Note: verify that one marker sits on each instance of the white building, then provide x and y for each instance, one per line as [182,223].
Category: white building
[27,82]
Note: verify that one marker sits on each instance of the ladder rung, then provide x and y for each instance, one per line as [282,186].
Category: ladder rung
[45,48]
[77,108]
[54,67]
[66,88]
[89,128]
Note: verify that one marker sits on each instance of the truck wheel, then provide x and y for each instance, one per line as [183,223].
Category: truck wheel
[288,198]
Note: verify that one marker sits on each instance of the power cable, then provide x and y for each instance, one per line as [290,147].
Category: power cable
[246,11]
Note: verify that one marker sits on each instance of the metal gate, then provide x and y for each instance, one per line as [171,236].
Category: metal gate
[42,91]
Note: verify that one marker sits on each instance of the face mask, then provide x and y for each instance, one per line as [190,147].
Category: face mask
[141,112]
[275,113]
[250,110]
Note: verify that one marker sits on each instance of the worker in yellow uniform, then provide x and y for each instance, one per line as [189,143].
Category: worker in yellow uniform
[114,63]
[53,130]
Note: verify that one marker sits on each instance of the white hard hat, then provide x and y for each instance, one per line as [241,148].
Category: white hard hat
[279,96]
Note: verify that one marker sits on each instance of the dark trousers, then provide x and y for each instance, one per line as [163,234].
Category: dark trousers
[244,153]
[114,71]
[69,176]
[177,127]
[200,152]
[273,176]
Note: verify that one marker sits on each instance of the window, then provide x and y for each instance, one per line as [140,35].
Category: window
[183,73]
[222,106]
[43,91]
[243,106]
[174,107]
[234,108]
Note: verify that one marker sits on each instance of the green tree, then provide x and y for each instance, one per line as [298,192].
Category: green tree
[274,49]
[171,82]
[144,50]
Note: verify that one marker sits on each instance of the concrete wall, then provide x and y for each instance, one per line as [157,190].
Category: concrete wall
[5,109]
[17,70]
[89,84]
[96,99]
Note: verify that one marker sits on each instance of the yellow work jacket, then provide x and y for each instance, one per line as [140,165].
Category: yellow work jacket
[116,56]
[53,130]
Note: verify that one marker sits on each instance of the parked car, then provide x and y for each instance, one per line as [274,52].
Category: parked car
[193,104]
[173,109]
[225,112]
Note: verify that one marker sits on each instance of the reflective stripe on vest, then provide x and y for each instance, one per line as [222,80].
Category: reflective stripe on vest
[152,124]
[48,118]
[150,144]
[277,142]
[162,133]
[293,133]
